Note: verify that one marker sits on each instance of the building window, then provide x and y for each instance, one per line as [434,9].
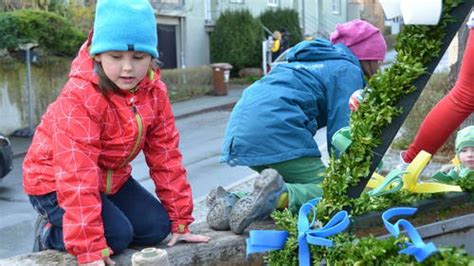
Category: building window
[236,1]
[336,6]
[272,2]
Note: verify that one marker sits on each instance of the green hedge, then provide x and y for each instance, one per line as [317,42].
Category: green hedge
[53,33]
[236,40]
[283,20]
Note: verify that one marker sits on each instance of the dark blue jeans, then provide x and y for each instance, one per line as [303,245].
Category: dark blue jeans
[132,216]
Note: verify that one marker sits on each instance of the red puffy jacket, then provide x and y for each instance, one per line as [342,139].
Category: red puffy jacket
[84,145]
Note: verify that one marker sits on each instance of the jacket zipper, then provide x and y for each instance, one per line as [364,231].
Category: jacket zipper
[138,118]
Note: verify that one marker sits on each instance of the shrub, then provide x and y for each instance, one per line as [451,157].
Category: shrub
[82,17]
[187,83]
[236,40]
[53,33]
[283,20]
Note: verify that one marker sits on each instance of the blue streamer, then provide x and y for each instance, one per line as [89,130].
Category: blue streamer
[266,240]
[419,249]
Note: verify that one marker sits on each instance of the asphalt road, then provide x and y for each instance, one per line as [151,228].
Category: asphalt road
[201,138]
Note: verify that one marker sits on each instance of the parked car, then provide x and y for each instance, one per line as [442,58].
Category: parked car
[6,156]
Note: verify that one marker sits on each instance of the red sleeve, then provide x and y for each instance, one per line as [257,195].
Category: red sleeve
[76,149]
[450,112]
[166,168]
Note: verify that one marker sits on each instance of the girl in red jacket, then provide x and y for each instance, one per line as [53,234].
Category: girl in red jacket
[451,111]
[77,170]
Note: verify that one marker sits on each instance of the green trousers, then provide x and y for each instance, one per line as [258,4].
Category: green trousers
[303,178]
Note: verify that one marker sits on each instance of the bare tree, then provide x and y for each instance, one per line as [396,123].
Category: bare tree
[10,5]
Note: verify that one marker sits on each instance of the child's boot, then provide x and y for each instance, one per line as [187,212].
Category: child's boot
[220,203]
[41,230]
[260,203]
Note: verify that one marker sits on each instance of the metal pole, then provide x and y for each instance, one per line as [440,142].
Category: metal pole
[304,16]
[28,88]
[264,57]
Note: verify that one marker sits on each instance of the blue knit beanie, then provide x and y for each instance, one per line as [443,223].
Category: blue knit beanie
[124,25]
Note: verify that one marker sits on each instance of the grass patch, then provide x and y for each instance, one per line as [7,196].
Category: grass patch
[184,84]
[245,80]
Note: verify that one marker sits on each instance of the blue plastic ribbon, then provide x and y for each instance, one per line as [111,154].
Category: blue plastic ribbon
[419,249]
[267,240]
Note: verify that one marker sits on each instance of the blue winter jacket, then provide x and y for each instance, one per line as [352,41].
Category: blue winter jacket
[277,117]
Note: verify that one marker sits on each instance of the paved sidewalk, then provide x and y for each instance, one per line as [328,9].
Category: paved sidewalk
[208,103]
[181,110]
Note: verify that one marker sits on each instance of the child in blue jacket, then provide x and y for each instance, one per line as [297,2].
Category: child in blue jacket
[271,128]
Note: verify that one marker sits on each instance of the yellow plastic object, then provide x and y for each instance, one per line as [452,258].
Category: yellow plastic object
[410,179]
[455,161]
[375,181]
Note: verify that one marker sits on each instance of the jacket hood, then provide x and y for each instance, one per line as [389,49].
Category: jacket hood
[319,50]
[82,66]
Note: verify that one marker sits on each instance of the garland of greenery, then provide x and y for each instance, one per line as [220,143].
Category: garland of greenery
[416,46]
[466,184]
[349,250]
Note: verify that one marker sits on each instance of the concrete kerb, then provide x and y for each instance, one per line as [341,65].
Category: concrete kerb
[225,247]
[228,249]
[225,106]
[208,103]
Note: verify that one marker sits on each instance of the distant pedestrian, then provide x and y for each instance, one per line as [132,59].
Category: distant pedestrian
[276,45]
[271,128]
[77,171]
[285,40]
